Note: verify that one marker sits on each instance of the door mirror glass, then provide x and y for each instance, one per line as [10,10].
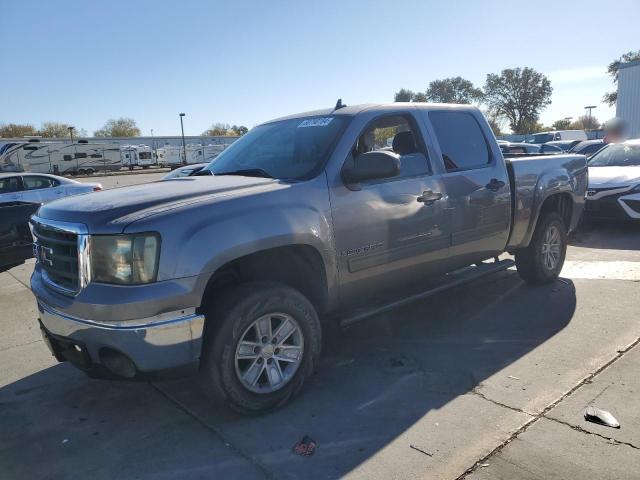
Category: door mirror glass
[372,165]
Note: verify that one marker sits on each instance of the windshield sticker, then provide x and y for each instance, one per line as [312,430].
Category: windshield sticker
[315,122]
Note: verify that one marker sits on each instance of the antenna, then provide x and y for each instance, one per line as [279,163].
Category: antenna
[339,105]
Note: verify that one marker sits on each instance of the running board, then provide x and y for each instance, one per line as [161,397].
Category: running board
[450,280]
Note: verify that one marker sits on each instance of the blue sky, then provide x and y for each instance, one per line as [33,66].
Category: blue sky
[84,62]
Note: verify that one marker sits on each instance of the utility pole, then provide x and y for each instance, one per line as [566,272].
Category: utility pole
[184,145]
[153,147]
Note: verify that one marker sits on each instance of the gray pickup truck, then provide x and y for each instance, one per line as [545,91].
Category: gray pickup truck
[319,217]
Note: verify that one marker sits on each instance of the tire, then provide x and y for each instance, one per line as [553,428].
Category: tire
[234,319]
[531,262]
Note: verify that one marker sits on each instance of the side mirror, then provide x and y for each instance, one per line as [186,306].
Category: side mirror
[371,166]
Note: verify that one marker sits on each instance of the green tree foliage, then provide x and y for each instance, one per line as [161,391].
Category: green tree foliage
[54,130]
[563,124]
[419,97]
[121,127]
[612,97]
[518,95]
[404,96]
[15,130]
[225,130]
[453,90]
[584,122]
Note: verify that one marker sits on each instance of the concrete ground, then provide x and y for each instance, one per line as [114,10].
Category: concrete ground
[485,381]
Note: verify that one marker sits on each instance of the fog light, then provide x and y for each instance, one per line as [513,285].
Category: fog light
[117,363]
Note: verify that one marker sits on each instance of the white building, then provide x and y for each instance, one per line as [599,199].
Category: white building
[628,105]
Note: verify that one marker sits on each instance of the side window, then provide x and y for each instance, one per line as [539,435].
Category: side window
[395,134]
[9,185]
[461,140]
[35,183]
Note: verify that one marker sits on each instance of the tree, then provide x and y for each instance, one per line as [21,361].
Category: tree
[584,122]
[612,97]
[217,130]
[453,90]
[518,95]
[239,130]
[15,130]
[404,96]
[419,97]
[563,124]
[121,127]
[54,130]
[494,123]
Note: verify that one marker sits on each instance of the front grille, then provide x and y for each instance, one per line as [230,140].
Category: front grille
[61,252]
[58,256]
[606,208]
[633,205]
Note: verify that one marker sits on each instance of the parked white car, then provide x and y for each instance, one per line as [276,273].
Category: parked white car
[40,187]
[614,182]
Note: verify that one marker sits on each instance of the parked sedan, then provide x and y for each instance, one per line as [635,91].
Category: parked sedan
[40,188]
[614,182]
[588,147]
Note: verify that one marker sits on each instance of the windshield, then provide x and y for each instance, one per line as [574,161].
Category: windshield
[616,155]
[541,138]
[288,149]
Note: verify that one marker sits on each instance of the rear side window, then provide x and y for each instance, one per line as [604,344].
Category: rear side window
[461,140]
[9,185]
[35,183]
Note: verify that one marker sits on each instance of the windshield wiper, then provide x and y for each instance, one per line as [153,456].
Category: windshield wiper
[247,172]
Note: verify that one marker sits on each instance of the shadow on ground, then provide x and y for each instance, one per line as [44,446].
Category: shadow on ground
[376,380]
[607,235]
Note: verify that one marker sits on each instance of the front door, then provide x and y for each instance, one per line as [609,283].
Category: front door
[391,233]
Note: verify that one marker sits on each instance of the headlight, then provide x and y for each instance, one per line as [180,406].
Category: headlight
[125,259]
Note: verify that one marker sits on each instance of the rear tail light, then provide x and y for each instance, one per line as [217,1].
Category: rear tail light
[97,188]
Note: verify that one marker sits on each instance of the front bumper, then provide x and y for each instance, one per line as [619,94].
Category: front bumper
[125,348]
[616,207]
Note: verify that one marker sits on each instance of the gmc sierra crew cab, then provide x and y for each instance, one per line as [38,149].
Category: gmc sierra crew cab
[324,216]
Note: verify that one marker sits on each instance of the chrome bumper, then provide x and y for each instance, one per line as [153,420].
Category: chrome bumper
[166,341]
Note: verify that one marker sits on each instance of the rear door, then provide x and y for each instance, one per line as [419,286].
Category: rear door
[387,240]
[477,184]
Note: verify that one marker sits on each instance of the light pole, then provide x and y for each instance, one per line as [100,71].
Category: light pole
[590,107]
[75,152]
[153,147]
[184,146]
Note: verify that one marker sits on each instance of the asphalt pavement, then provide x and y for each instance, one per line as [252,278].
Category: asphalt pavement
[485,381]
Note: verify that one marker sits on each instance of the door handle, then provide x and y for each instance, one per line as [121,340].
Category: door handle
[494,185]
[428,197]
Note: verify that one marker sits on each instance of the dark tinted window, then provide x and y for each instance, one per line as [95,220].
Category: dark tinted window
[593,148]
[8,185]
[461,140]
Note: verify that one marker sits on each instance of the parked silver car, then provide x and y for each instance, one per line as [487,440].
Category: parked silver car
[40,187]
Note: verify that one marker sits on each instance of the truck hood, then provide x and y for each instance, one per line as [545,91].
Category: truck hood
[110,211]
[613,176]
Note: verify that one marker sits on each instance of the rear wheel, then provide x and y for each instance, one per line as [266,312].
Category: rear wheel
[261,343]
[542,261]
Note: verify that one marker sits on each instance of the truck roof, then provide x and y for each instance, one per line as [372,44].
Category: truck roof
[352,110]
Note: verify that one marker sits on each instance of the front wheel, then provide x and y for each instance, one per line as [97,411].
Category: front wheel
[542,261]
[261,342]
